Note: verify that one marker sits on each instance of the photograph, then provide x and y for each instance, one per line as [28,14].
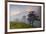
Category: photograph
[24,17]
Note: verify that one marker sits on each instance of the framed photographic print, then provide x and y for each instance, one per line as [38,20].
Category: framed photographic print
[25,16]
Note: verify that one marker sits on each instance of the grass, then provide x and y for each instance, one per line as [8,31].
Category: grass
[18,25]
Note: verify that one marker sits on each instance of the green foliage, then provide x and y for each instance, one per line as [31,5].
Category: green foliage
[17,25]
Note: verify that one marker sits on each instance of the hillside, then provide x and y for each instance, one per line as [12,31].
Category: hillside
[17,25]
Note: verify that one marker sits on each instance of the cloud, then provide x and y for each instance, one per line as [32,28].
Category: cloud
[28,9]
[14,13]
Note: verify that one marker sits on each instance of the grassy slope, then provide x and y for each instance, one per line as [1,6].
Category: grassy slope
[16,25]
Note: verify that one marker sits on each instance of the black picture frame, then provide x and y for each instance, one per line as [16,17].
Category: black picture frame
[6,1]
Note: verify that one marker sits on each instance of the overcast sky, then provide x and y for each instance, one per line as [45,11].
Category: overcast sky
[17,11]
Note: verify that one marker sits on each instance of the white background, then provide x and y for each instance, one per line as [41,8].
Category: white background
[2,17]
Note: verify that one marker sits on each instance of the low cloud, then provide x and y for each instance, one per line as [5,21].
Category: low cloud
[15,13]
